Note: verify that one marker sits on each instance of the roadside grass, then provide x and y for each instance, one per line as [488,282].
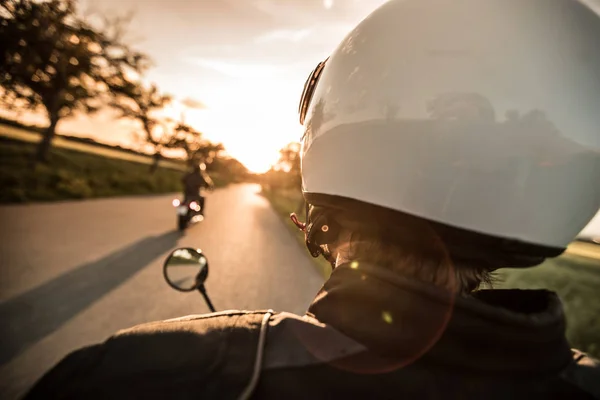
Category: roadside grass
[284,203]
[577,281]
[73,174]
[574,278]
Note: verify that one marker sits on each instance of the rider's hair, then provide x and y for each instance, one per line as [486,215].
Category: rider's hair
[414,251]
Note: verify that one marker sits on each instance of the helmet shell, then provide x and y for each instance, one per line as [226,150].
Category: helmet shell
[482,115]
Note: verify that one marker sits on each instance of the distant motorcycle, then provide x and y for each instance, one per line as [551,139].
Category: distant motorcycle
[188,212]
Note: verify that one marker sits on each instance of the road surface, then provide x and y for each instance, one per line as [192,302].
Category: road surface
[75,272]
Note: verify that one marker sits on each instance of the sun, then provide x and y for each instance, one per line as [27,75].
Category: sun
[254,140]
[255,164]
[253,119]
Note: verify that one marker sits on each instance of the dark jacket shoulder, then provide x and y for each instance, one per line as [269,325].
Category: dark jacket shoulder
[584,373]
[221,356]
[179,358]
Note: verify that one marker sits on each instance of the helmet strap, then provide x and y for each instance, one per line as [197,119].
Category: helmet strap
[319,231]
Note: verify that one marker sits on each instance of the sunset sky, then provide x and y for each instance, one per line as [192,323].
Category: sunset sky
[243,61]
[239,65]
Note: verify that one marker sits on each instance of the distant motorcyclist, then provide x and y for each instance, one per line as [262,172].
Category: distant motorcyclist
[443,140]
[194,182]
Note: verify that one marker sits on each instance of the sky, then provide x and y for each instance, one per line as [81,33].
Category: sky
[238,65]
[235,67]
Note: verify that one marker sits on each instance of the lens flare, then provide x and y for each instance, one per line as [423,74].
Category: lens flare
[387,317]
[388,314]
[176,202]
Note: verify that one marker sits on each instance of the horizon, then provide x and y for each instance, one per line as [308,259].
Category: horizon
[236,68]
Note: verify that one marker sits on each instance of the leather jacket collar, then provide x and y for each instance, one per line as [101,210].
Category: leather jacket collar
[502,331]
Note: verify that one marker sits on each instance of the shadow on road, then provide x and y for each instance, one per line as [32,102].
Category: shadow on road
[31,316]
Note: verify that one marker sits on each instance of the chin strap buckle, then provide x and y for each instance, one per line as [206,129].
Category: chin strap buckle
[314,249]
[318,233]
[296,221]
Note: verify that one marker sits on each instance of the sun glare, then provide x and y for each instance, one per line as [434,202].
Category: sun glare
[253,119]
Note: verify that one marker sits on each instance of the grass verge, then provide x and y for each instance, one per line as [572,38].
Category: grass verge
[575,278]
[284,203]
[72,174]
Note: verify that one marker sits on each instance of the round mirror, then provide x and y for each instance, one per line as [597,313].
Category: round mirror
[186,269]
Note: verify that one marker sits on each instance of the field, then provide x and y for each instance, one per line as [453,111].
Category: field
[576,279]
[13,130]
[575,276]
[74,174]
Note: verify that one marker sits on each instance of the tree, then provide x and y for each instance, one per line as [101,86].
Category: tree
[187,139]
[289,159]
[196,148]
[230,169]
[54,60]
[141,103]
[285,173]
[208,151]
[290,164]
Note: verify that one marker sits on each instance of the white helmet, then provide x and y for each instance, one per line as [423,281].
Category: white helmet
[480,116]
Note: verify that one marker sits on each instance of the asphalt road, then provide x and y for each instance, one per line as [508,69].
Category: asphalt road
[73,273]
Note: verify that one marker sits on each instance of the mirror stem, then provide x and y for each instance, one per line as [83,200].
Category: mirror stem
[202,290]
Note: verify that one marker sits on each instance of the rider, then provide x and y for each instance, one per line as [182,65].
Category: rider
[443,140]
[193,182]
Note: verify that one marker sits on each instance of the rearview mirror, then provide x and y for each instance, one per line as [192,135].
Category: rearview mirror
[186,269]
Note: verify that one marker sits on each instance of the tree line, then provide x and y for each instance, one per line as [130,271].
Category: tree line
[284,179]
[57,61]
[285,173]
